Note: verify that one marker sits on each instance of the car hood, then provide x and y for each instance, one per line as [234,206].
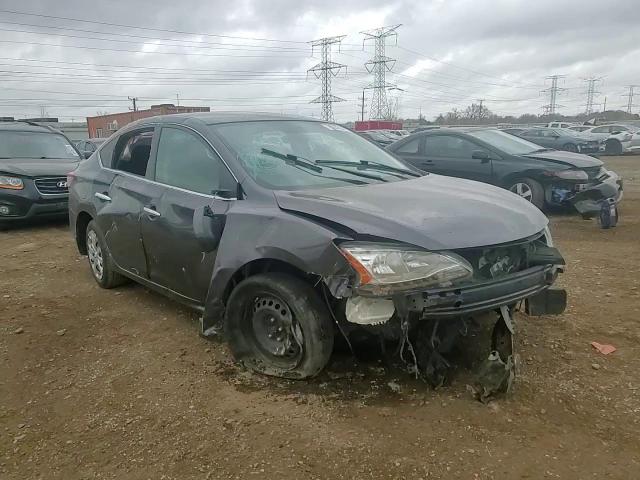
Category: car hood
[432,212]
[569,159]
[38,167]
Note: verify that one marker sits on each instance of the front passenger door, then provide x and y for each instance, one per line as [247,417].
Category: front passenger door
[454,155]
[196,184]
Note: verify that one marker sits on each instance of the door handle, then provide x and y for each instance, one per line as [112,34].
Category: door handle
[151,212]
[103,196]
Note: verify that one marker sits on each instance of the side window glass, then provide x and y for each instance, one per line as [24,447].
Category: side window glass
[601,130]
[132,152]
[106,153]
[412,146]
[185,161]
[450,146]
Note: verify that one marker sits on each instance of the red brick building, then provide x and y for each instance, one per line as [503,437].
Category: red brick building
[104,125]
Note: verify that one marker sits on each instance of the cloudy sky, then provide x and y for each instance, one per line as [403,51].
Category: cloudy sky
[81,57]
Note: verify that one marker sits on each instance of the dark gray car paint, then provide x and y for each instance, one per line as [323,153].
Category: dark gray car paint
[300,228]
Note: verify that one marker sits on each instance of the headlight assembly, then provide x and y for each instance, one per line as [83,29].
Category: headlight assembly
[11,183]
[569,174]
[384,269]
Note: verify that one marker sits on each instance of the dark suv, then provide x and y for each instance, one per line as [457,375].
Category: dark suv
[34,162]
[280,230]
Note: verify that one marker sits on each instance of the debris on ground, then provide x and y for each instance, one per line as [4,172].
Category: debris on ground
[394,387]
[604,349]
[61,332]
[18,330]
[595,366]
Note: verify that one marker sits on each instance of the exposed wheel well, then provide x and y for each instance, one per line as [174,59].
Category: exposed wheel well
[82,221]
[265,265]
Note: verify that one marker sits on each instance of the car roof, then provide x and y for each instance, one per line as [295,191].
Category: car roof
[212,118]
[26,127]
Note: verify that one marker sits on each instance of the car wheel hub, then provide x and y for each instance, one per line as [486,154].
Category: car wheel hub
[523,190]
[94,252]
[275,330]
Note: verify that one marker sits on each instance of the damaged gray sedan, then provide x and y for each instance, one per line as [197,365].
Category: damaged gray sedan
[285,232]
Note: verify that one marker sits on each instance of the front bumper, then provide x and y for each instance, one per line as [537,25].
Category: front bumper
[482,297]
[588,199]
[28,203]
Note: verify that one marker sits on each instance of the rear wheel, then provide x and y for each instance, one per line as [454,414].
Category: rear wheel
[277,325]
[529,189]
[570,147]
[613,147]
[100,261]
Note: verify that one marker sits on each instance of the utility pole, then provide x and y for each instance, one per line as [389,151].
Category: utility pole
[378,66]
[554,90]
[604,109]
[591,92]
[629,96]
[134,100]
[177,99]
[324,71]
[362,104]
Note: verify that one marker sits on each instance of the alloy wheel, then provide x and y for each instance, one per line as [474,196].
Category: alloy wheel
[94,252]
[523,190]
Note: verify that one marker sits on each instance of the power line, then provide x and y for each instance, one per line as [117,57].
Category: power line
[182,32]
[379,66]
[324,71]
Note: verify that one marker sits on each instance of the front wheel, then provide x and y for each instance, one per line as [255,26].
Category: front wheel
[277,324]
[529,189]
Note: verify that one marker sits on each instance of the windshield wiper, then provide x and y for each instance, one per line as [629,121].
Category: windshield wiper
[540,150]
[303,162]
[293,159]
[367,164]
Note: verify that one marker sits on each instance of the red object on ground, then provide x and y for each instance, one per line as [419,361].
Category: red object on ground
[603,349]
[377,125]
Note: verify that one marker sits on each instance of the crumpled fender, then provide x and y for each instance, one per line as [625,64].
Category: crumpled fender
[271,234]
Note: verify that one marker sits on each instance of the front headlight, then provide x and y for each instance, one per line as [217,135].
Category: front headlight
[570,174]
[11,183]
[384,269]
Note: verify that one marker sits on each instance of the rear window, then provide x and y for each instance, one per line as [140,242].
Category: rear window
[35,145]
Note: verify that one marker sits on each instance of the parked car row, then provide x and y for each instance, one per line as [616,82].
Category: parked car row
[285,232]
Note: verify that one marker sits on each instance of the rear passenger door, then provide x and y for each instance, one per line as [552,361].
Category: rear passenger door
[193,178]
[120,194]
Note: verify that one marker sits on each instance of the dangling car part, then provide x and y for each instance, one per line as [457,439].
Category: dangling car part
[284,232]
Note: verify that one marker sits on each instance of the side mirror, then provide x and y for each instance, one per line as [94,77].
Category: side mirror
[207,227]
[616,132]
[481,155]
[86,154]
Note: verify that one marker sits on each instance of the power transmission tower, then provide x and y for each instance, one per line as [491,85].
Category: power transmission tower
[324,71]
[134,100]
[553,90]
[379,65]
[629,96]
[591,92]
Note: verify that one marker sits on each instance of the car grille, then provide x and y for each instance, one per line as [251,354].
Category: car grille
[52,185]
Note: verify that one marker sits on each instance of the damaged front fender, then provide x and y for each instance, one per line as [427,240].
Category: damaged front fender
[272,238]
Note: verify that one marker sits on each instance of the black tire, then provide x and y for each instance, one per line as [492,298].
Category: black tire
[537,192]
[570,147]
[302,349]
[613,147]
[106,276]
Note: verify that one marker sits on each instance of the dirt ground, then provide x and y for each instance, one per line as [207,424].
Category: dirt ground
[118,384]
